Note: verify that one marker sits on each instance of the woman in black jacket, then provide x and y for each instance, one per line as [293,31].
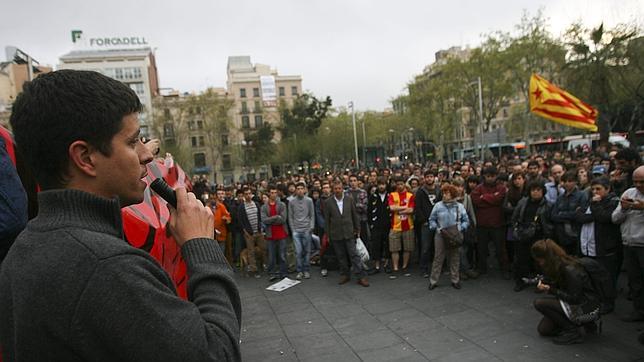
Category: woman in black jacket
[600,239]
[573,301]
[530,222]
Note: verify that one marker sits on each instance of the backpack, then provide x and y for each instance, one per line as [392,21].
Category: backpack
[600,279]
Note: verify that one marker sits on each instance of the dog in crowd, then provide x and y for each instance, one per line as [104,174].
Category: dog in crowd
[243,260]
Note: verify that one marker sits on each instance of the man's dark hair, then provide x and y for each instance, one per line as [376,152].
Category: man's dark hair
[537,184]
[272,187]
[628,155]
[300,184]
[491,170]
[61,107]
[533,163]
[473,178]
[382,180]
[601,180]
[569,176]
[430,172]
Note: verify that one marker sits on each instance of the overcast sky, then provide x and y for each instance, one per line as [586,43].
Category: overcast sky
[363,50]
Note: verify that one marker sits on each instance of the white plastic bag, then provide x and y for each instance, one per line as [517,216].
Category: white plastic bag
[362,250]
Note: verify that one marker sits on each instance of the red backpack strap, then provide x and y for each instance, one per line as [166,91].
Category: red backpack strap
[8,141]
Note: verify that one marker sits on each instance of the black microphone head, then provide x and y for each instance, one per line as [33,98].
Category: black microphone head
[163,189]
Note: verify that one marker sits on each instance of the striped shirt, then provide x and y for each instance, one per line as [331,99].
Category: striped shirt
[251,213]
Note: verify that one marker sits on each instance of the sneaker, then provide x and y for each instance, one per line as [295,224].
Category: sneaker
[406,272]
[393,275]
[324,272]
[258,275]
[307,275]
[425,275]
[299,276]
[273,278]
[387,269]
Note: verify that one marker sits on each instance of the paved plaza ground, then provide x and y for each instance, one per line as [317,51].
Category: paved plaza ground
[400,320]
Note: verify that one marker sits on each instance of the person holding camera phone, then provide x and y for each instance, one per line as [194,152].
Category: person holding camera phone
[72,287]
[573,300]
[630,215]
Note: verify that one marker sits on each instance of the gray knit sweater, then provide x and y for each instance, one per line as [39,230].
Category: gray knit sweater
[301,214]
[72,289]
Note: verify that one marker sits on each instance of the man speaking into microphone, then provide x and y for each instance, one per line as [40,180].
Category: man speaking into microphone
[70,287]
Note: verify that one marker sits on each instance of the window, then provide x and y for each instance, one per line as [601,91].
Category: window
[244,107]
[224,140]
[200,159]
[255,92]
[198,110]
[191,125]
[242,92]
[166,112]
[193,141]
[168,130]
[258,107]
[199,124]
[282,92]
[138,88]
[258,121]
[245,122]
[505,113]
[201,141]
[226,163]
[294,91]
[197,141]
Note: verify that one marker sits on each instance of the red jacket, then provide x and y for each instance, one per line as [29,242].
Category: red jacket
[488,202]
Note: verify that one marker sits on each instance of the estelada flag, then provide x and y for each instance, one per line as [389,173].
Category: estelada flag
[555,104]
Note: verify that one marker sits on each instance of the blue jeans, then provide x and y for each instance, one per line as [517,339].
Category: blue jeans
[302,242]
[274,247]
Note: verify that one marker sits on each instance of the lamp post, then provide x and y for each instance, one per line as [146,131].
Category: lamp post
[355,134]
[480,91]
[364,143]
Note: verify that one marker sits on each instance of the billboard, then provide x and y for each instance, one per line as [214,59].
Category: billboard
[269,95]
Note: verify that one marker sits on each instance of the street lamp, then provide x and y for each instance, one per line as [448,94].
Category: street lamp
[480,88]
[355,134]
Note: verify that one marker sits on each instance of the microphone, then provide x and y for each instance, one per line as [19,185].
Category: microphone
[163,189]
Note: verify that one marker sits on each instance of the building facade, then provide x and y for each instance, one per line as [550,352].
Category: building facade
[221,149]
[134,67]
[12,78]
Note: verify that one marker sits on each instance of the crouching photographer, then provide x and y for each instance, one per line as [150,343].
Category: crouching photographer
[573,300]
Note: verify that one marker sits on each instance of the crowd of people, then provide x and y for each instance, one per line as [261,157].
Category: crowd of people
[73,289]
[547,208]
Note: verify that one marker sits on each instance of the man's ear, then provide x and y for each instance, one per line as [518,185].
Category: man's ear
[82,157]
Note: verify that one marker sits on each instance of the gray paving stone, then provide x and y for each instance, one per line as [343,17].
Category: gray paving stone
[306,328]
[398,352]
[470,353]
[485,321]
[438,342]
[374,340]
[319,346]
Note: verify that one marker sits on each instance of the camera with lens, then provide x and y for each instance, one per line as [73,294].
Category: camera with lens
[533,281]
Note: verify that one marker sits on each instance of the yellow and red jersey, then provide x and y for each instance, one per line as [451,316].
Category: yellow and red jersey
[402,222]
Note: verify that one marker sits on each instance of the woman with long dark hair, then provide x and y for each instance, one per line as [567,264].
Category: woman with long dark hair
[573,301]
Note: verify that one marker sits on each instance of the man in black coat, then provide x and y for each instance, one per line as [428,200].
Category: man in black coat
[343,227]
[426,197]
[379,221]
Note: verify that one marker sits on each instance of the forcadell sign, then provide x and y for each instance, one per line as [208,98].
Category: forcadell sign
[108,41]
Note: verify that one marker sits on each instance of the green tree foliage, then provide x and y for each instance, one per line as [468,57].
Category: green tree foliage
[304,116]
[604,69]
[207,113]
